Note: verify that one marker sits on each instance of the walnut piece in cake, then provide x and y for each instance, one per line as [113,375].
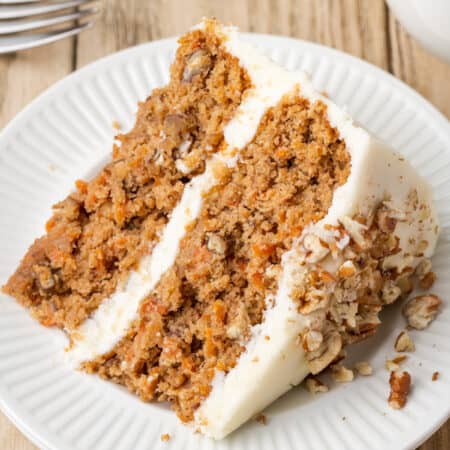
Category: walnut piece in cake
[421,310]
[400,383]
[404,343]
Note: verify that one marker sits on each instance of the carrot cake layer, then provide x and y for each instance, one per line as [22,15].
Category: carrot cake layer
[276,231]
[99,233]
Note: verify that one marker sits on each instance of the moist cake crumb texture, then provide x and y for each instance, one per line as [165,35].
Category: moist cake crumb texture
[298,228]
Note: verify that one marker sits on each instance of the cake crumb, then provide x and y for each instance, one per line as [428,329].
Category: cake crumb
[404,343]
[364,368]
[116,125]
[315,386]
[435,376]
[262,419]
[341,374]
[400,383]
[165,437]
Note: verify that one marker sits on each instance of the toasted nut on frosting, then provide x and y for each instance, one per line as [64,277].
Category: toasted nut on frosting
[312,340]
[356,230]
[386,223]
[347,269]
[423,268]
[316,251]
[328,351]
[390,292]
[421,310]
[427,281]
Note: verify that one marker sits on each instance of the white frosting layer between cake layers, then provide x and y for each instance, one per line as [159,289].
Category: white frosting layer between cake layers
[270,367]
[111,321]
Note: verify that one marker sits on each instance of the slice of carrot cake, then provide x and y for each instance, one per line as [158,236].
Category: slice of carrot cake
[244,233]
[98,234]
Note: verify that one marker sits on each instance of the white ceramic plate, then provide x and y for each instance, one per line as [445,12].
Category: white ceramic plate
[67,133]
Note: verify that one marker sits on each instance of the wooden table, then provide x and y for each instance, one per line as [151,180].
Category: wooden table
[364,28]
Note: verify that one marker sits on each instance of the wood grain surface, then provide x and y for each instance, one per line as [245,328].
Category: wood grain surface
[364,28]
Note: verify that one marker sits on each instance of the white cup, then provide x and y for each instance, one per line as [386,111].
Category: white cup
[428,21]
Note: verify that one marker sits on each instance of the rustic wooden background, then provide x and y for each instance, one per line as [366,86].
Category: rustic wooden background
[364,28]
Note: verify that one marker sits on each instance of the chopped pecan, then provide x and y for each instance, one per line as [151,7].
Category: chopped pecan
[347,269]
[44,277]
[394,364]
[423,268]
[165,437]
[355,230]
[400,383]
[405,284]
[421,310]
[363,368]
[312,340]
[176,125]
[314,385]
[261,418]
[385,221]
[390,292]
[198,62]
[328,351]
[316,251]
[427,281]
[341,374]
[404,343]
[216,244]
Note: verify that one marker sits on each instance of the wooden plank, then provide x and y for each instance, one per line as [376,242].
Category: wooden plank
[440,440]
[11,438]
[25,75]
[418,68]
